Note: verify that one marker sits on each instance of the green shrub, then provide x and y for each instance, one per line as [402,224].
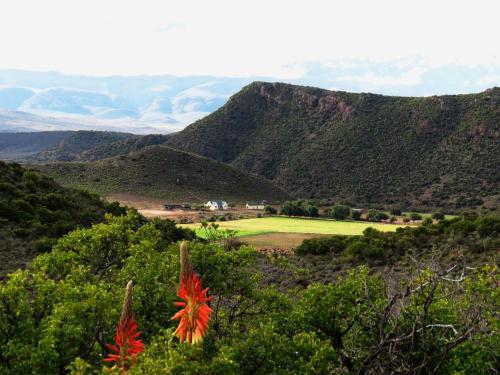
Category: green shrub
[438,215]
[270,210]
[375,215]
[338,212]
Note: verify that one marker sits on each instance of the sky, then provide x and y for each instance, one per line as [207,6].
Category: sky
[389,42]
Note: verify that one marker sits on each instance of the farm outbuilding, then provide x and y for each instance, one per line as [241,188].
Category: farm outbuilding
[176,206]
[256,205]
[172,206]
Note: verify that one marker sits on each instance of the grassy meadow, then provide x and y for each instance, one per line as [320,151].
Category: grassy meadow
[275,225]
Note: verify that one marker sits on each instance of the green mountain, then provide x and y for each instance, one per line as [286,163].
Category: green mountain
[35,211]
[365,148]
[163,172]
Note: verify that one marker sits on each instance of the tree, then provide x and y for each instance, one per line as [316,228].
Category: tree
[396,211]
[376,215]
[270,210]
[339,212]
[299,208]
[355,214]
[414,216]
[438,215]
[310,210]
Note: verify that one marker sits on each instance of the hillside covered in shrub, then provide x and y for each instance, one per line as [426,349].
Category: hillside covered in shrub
[166,173]
[439,151]
[35,211]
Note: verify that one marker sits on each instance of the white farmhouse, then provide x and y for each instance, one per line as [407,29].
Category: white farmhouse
[256,205]
[216,205]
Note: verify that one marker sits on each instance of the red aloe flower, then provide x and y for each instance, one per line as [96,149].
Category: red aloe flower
[195,315]
[127,345]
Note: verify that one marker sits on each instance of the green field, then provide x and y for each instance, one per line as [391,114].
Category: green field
[266,225]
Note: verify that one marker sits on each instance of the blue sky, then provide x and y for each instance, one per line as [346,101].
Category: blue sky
[391,47]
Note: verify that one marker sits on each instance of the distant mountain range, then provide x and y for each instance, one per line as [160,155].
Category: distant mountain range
[142,104]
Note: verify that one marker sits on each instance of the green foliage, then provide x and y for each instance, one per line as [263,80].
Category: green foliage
[299,208]
[438,215]
[338,212]
[325,245]
[431,152]
[225,237]
[270,210]
[414,216]
[57,316]
[356,215]
[67,306]
[36,211]
[375,215]
[396,211]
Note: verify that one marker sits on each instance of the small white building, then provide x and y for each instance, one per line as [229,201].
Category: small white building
[256,205]
[216,205]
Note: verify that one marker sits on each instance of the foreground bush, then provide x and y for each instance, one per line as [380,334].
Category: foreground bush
[58,316]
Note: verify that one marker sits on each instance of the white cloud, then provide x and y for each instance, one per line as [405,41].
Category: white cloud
[409,78]
[235,38]
[490,79]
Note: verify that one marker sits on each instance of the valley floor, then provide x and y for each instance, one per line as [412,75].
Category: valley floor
[267,233]
[286,233]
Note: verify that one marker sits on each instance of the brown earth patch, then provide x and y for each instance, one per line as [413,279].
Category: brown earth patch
[278,242]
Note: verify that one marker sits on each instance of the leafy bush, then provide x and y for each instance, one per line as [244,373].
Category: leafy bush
[299,208]
[438,215]
[270,210]
[355,214]
[324,245]
[338,212]
[375,215]
[414,216]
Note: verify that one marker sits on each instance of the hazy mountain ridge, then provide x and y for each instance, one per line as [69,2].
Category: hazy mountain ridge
[440,150]
[71,147]
[18,122]
[168,100]
[81,145]
[20,146]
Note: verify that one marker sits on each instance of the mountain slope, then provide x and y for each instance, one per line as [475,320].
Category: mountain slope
[35,210]
[434,151]
[121,147]
[70,147]
[18,146]
[162,172]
